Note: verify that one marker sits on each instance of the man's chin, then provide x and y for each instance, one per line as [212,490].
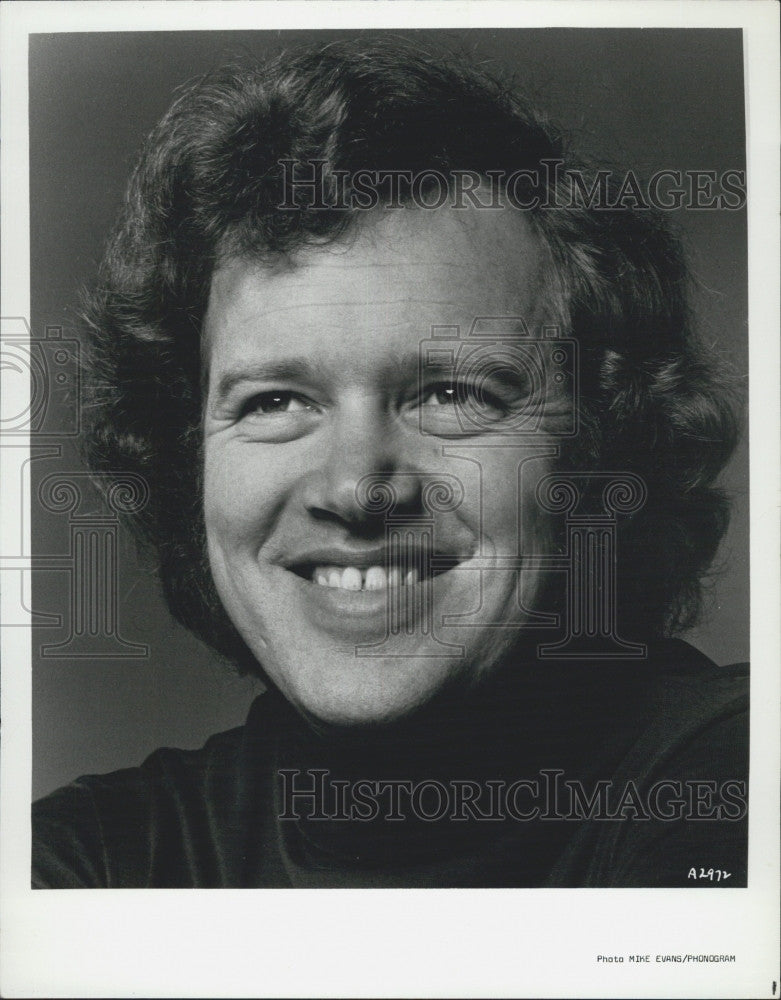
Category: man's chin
[371,691]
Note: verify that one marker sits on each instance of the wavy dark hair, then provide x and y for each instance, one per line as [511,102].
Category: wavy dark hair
[208,187]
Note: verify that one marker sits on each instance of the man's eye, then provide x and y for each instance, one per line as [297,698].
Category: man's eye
[441,395]
[465,395]
[274,402]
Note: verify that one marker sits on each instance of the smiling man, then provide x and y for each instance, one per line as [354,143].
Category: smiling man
[431,450]
[314,387]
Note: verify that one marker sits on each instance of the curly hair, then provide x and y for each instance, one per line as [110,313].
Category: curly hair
[208,187]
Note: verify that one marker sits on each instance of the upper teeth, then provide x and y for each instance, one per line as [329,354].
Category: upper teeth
[373,578]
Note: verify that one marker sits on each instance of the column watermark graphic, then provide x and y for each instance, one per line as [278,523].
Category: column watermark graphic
[411,554]
[590,562]
[92,562]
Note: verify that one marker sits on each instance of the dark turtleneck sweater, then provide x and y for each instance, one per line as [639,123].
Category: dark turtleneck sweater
[621,774]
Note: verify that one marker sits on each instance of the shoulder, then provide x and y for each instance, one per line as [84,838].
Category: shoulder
[127,827]
[691,703]
[682,784]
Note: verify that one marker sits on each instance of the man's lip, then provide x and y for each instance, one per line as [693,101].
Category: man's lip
[336,555]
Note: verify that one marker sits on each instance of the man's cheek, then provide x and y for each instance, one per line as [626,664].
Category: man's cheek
[236,501]
[500,520]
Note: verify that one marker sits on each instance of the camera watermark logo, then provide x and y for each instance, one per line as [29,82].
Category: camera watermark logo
[503,379]
[51,406]
[499,390]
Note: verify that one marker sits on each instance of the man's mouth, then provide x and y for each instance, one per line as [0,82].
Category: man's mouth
[361,592]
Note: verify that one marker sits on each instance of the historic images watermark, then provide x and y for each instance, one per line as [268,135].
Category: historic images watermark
[48,374]
[536,370]
[549,795]
[312,185]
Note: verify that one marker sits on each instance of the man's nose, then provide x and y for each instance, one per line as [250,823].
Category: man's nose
[363,471]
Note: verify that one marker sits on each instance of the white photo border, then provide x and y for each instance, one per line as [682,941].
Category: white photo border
[390,943]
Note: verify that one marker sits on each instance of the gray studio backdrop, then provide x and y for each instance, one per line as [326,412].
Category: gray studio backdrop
[649,99]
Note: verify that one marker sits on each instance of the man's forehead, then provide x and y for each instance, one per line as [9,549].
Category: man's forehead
[479,258]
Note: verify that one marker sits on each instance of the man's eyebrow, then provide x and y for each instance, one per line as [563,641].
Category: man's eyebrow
[285,369]
[302,369]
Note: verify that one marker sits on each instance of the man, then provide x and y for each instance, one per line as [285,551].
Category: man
[431,450]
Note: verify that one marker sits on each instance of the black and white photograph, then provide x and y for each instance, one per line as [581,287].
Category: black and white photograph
[390,438]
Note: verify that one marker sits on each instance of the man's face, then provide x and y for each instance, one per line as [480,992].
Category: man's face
[363,590]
